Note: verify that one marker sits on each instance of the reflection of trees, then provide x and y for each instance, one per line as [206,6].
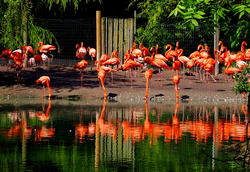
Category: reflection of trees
[20,128]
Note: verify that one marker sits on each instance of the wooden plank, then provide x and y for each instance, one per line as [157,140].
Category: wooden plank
[115,35]
[126,36]
[120,41]
[110,35]
[131,32]
[104,35]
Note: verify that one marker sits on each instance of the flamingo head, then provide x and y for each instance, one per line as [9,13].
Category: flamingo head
[220,43]
[199,47]
[140,45]
[40,43]
[177,44]
[167,46]
[88,48]
[244,43]
[134,44]
[77,45]
[126,56]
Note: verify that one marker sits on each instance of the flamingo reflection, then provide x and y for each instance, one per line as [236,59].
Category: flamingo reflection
[44,133]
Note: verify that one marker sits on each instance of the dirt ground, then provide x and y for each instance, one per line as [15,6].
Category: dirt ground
[66,84]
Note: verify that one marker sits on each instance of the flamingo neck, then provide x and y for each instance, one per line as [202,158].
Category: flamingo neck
[153,53]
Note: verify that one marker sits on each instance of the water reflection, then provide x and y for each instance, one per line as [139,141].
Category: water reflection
[120,135]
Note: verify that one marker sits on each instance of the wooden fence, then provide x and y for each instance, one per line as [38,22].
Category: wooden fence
[117,34]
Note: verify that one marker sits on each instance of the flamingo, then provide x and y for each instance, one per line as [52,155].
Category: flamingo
[92,53]
[46,49]
[81,65]
[203,53]
[176,81]
[17,65]
[112,61]
[38,57]
[209,65]
[148,75]
[171,54]
[176,65]
[160,64]
[189,65]
[103,58]
[129,64]
[231,70]
[102,71]
[45,80]
[7,54]
[157,55]
[144,50]
[183,60]
[81,51]
[137,53]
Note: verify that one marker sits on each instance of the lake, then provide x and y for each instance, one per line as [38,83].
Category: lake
[99,135]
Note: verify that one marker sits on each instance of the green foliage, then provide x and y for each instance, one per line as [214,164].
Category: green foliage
[14,16]
[193,13]
[63,3]
[242,81]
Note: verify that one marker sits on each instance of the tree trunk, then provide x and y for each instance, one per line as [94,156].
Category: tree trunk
[25,30]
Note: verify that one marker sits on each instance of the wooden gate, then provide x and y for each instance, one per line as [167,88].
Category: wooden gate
[117,34]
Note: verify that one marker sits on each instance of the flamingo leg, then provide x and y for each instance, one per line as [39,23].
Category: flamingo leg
[104,90]
[176,90]
[159,77]
[190,76]
[43,90]
[147,88]
[212,77]
[92,63]
[81,76]
[131,81]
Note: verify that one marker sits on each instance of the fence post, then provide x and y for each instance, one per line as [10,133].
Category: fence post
[104,35]
[216,41]
[98,35]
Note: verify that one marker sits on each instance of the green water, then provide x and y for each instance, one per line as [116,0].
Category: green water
[112,136]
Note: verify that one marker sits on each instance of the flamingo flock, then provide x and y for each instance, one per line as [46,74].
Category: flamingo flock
[141,58]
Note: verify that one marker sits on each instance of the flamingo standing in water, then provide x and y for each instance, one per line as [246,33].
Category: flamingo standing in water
[102,71]
[81,65]
[148,75]
[176,81]
[45,80]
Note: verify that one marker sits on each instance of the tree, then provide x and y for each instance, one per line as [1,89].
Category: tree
[192,13]
[18,28]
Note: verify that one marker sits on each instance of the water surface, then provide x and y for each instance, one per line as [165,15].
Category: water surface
[59,135]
